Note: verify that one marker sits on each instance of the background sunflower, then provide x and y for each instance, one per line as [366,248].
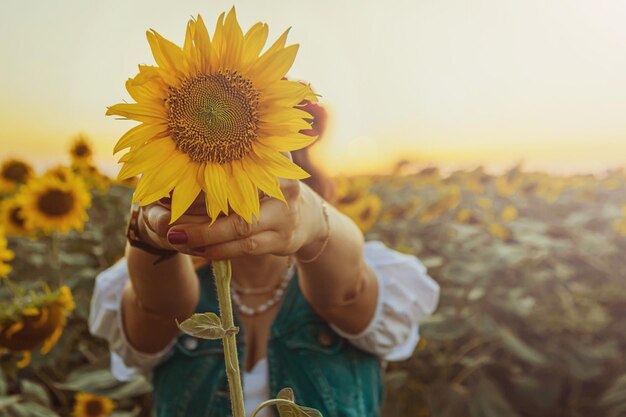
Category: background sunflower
[5,255]
[12,218]
[81,151]
[34,319]
[215,116]
[13,173]
[49,204]
[88,405]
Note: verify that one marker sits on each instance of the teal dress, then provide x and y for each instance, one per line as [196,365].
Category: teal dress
[324,370]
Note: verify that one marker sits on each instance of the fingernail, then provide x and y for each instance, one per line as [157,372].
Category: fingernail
[176,237]
[165,200]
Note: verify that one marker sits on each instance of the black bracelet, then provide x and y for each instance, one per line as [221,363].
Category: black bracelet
[134,239]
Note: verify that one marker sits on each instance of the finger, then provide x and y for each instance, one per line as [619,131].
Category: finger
[154,225]
[274,215]
[156,219]
[258,244]
[290,189]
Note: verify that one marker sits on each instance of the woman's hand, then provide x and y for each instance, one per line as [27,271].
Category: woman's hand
[282,229]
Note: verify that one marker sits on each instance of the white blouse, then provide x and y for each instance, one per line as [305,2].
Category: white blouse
[406,296]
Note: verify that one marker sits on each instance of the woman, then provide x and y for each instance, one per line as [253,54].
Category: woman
[318,308]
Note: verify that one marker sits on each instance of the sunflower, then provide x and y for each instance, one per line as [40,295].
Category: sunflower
[215,116]
[88,405]
[93,177]
[11,217]
[35,319]
[13,173]
[5,255]
[61,172]
[367,212]
[81,151]
[49,204]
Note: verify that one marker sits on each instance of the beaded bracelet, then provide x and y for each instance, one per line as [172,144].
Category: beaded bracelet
[326,238]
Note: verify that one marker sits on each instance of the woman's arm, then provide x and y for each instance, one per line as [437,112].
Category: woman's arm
[158,294]
[338,284]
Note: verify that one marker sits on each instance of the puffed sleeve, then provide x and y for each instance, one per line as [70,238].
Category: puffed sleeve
[406,296]
[105,320]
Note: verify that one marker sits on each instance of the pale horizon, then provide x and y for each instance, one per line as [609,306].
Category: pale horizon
[442,83]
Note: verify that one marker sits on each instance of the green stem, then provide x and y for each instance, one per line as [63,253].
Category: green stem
[222,271]
[55,260]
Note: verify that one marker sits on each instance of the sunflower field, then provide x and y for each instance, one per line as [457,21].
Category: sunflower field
[530,266]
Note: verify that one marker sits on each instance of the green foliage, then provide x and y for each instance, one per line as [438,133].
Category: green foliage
[530,321]
[528,325]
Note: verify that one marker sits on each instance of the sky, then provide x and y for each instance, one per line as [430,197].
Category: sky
[447,82]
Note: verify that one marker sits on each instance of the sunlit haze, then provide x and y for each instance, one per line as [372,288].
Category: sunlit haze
[449,82]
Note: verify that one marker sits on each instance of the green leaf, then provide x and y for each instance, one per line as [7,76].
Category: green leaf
[488,401]
[7,401]
[204,326]
[30,409]
[89,380]
[3,385]
[36,391]
[520,349]
[286,394]
[293,409]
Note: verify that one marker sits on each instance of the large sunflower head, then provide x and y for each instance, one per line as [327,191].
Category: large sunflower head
[35,319]
[88,405]
[81,151]
[5,255]
[12,217]
[50,204]
[215,116]
[13,173]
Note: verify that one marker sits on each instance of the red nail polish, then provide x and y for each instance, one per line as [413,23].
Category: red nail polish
[176,237]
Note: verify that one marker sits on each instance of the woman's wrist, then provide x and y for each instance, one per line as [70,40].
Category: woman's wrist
[317,225]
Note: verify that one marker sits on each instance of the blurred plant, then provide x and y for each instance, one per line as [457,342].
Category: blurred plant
[529,322]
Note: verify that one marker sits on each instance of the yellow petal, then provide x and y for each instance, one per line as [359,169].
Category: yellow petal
[217,44]
[140,134]
[287,143]
[278,164]
[143,112]
[278,44]
[273,67]
[284,128]
[265,181]
[190,54]
[253,43]
[285,93]
[152,155]
[232,45]
[243,195]
[203,44]
[216,189]
[158,183]
[285,115]
[25,361]
[185,191]
[167,54]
